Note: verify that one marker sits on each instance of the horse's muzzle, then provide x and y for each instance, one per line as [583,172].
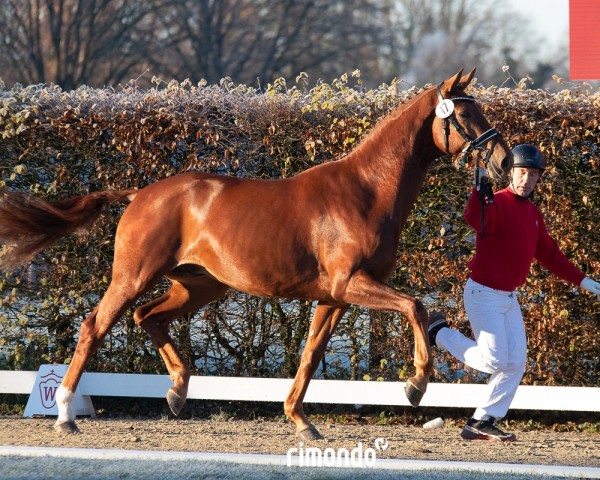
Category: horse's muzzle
[500,171]
[507,164]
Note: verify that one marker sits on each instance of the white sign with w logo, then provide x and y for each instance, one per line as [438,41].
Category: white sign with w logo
[42,399]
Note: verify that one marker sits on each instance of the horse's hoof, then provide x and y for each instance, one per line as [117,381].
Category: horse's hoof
[413,394]
[68,427]
[175,402]
[309,434]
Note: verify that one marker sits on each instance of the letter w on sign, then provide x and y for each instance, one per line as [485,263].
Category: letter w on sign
[42,400]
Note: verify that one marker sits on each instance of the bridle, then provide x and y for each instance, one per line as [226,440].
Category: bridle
[445,110]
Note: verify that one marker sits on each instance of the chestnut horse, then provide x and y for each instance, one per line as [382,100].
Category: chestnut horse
[329,234]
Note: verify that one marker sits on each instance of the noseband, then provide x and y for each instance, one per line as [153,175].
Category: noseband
[445,110]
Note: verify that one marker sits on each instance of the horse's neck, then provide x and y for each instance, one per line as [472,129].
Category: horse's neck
[395,157]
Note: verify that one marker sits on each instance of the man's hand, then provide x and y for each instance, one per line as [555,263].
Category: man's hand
[484,186]
[591,286]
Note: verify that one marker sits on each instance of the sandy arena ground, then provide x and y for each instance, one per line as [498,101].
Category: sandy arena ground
[276,437]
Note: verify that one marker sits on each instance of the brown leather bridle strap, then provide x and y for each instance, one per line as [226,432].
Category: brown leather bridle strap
[472,144]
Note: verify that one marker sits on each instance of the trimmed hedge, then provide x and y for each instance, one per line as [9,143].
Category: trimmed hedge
[58,144]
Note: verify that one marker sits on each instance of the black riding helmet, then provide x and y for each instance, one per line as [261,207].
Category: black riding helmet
[528,156]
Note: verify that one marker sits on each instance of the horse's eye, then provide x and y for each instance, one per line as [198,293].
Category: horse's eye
[464,114]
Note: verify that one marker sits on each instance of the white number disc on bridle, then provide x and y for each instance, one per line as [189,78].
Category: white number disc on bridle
[445,108]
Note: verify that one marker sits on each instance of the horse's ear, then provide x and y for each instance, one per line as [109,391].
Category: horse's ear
[467,79]
[449,84]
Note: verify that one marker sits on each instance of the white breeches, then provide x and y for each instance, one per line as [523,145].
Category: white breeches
[500,346]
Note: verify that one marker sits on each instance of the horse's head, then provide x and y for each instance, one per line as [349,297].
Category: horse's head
[460,125]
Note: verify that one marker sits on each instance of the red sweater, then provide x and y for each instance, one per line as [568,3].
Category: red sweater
[514,235]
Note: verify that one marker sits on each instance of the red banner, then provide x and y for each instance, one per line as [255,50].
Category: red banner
[584,37]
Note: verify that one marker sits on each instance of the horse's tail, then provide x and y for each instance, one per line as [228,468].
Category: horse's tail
[29,224]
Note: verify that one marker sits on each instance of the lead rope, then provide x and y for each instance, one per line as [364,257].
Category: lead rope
[486,196]
[481,199]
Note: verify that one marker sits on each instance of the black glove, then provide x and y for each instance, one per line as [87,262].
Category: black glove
[486,193]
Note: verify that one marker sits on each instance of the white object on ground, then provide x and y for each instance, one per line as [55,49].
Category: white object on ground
[435,423]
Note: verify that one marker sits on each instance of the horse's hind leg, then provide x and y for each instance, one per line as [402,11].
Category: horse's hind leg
[93,330]
[323,324]
[155,318]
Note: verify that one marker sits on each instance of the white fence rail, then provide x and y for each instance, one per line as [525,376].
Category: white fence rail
[585,399]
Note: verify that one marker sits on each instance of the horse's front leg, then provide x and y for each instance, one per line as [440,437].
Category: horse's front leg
[362,289]
[323,324]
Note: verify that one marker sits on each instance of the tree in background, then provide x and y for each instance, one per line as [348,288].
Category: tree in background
[75,42]
[107,42]
[436,36]
[247,40]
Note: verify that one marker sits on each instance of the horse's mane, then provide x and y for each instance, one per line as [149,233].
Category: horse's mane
[380,132]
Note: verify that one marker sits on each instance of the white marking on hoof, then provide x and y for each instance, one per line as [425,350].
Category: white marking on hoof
[65,402]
